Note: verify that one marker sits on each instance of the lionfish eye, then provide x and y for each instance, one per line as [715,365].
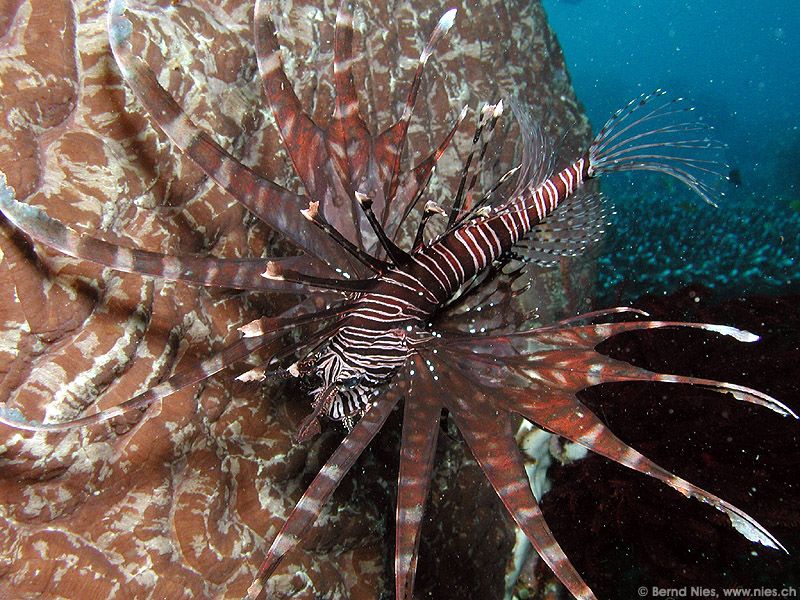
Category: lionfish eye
[351,382]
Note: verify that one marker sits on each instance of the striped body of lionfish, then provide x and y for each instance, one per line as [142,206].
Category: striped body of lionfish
[381,323]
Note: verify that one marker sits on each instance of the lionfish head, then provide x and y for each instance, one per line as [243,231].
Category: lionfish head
[341,395]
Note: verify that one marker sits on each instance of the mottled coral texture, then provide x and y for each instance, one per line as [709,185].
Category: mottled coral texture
[183,502]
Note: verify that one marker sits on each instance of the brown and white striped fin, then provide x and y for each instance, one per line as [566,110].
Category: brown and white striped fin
[274,205]
[230,273]
[489,434]
[266,325]
[416,182]
[318,158]
[198,372]
[351,132]
[319,491]
[275,271]
[391,142]
[421,415]
[564,415]
[597,368]
[484,130]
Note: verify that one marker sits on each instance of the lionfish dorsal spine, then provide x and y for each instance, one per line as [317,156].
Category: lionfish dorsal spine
[470,248]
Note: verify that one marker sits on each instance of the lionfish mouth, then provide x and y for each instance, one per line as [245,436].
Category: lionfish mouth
[362,283]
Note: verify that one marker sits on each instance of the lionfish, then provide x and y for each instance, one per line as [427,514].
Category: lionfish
[381,323]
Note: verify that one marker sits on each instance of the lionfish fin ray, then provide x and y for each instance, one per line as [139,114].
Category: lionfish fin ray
[231,273]
[274,271]
[488,117]
[265,325]
[313,215]
[604,312]
[309,507]
[538,153]
[625,142]
[568,231]
[303,139]
[350,140]
[489,434]
[198,372]
[272,204]
[416,184]
[396,255]
[566,416]
[391,142]
[348,114]
[421,417]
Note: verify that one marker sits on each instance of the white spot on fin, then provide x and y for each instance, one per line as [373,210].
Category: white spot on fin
[753,531]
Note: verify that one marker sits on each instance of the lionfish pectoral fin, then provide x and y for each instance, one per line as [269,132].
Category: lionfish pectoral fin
[352,133]
[274,271]
[489,434]
[420,432]
[234,273]
[600,368]
[566,416]
[234,353]
[319,158]
[319,491]
[563,414]
[271,203]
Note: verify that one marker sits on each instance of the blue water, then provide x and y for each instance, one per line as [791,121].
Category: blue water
[739,64]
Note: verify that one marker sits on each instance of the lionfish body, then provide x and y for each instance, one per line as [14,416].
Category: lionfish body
[383,334]
[375,338]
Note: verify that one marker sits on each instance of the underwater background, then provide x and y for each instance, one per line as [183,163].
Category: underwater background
[737,63]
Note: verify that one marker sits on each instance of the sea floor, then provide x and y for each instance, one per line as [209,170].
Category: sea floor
[662,238]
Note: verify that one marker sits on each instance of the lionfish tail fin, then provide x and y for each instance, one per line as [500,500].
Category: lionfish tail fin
[652,134]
